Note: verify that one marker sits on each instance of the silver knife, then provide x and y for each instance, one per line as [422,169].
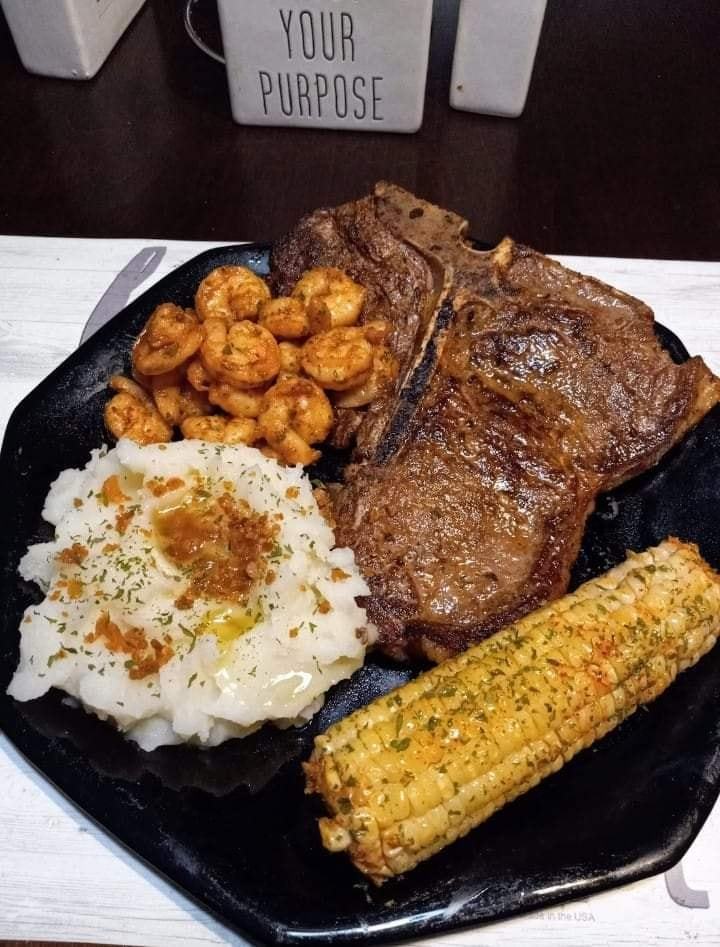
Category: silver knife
[142,265]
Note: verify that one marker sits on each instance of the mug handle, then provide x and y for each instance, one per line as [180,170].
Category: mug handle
[197,39]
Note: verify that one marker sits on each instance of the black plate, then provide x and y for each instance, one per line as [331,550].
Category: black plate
[232,827]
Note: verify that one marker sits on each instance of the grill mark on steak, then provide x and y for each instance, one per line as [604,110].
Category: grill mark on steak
[526,390]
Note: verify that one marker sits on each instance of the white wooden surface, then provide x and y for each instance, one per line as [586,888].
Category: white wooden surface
[60,877]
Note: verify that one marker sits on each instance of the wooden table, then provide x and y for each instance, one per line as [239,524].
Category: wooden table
[618,152]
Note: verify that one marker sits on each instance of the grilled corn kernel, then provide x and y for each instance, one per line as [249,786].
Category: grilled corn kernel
[419,767]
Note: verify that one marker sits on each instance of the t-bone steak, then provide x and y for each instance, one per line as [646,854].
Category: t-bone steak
[525,390]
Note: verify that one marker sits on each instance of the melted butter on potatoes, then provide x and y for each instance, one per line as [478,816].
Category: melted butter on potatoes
[192,593]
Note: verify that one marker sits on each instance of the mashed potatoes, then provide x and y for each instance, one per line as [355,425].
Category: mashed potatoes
[192,594]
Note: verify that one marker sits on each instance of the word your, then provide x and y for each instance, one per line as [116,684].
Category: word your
[317,37]
[333,37]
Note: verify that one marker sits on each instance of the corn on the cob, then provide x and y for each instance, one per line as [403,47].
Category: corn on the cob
[417,768]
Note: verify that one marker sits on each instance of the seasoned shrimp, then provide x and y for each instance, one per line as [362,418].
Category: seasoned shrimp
[121,383]
[286,318]
[293,450]
[220,430]
[343,297]
[318,316]
[241,354]
[338,359]
[290,358]
[376,331]
[172,335]
[230,293]
[296,413]
[267,451]
[384,372]
[167,379]
[143,381]
[198,375]
[239,403]
[176,400]
[241,431]
[211,428]
[129,416]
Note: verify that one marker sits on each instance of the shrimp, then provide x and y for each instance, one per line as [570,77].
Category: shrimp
[211,428]
[241,431]
[230,293]
[129,416]
[167,379]
[376,331]
[286,318]
[343,297]
[296,413]
[290,358]
[384,372]
[172,335]
[338,359]
[241,354]
[220,430]
[121,383]
[143,381]
[197,375]
[318,316]
[176,400]
[293,450]
[240,404]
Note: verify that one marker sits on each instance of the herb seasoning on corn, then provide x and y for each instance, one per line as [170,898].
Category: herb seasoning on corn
[420,767]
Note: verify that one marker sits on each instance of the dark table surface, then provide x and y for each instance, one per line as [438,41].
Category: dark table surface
[617,153]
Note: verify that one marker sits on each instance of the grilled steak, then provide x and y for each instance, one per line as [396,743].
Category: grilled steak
[526,390]
[402,288]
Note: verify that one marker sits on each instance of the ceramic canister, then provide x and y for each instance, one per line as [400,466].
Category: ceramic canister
[494,55]
[352,64]
[70,39]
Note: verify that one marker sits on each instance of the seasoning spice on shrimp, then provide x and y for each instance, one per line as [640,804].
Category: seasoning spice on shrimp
[220,430]
[198,376]
[286,318]
[171,336]
[127,416]
[231,293]
[240,403]
[249,369]
[242,353]
[296,413]
[342,297]
[290,358]
[339,358]
[384,371]
[176,399]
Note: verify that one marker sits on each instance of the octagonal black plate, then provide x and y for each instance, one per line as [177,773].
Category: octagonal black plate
[232,827]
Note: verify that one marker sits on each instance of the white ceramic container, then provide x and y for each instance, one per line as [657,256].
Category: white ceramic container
[70,39]
[350,64]
[494,55]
